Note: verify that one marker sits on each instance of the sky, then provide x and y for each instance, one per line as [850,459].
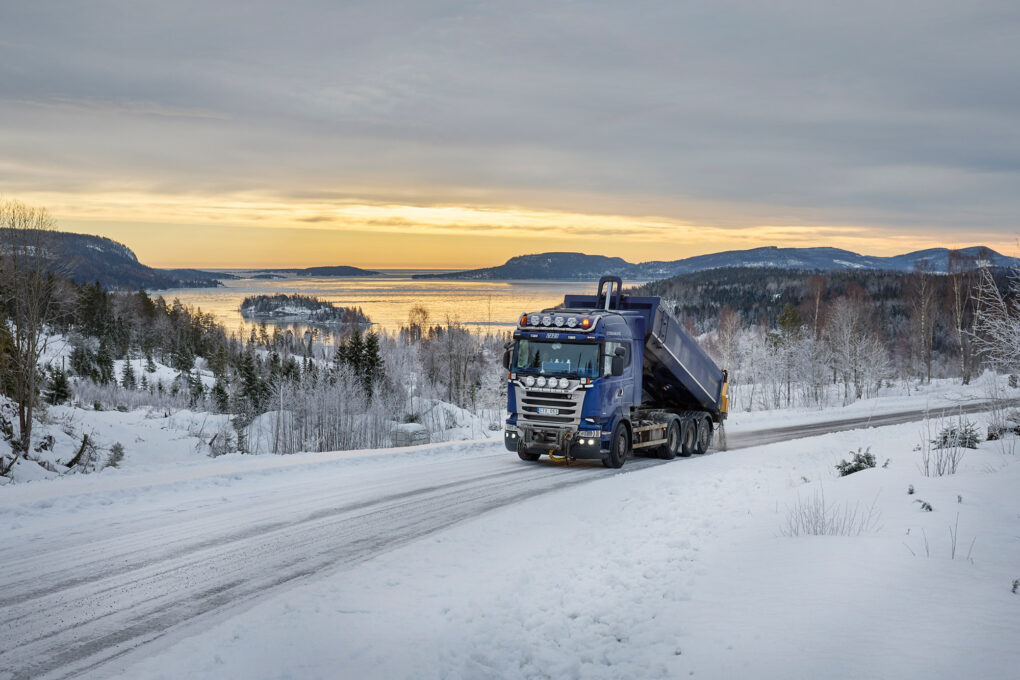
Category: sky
[451,134]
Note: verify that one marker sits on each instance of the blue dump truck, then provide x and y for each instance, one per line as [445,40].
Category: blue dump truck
[608,374]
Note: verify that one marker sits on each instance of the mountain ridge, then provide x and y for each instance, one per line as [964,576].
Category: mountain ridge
[568,266]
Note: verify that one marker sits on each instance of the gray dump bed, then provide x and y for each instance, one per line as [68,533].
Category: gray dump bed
[677,374]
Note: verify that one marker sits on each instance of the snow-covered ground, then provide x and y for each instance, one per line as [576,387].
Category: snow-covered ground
[679,570]
[346,564]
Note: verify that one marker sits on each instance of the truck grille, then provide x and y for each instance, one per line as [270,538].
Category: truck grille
[558,409]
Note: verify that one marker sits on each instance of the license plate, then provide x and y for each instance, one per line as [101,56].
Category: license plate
[542,411]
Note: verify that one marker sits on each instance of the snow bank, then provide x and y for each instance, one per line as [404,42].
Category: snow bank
[151,438]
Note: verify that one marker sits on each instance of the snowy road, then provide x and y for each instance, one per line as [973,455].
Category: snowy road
[90,577]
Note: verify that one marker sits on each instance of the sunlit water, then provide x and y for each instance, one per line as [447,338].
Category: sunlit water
[387,298]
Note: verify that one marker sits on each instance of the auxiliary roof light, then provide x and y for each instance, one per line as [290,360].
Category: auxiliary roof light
[535,319]
[571,322]
[559,321]
[547,320]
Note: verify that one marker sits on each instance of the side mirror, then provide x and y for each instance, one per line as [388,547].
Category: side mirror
[506,359]
[618,366]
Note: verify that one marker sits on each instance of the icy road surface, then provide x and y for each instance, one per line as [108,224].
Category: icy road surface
[92,570]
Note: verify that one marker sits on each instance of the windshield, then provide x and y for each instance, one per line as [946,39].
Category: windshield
[559,358]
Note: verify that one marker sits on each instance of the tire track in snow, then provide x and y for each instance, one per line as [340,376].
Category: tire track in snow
[83,616]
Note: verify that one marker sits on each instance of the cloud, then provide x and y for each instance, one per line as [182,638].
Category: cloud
[727,114]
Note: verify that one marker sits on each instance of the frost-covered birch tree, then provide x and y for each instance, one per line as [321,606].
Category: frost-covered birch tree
[997,326]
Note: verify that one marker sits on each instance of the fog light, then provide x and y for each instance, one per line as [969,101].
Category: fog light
[591,442]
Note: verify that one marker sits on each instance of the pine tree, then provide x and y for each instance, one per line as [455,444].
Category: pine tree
[254,392]
[182,357]
[127,376]
[104,363]
[371,363]
[59,389]
[196,389]
[150,365]
[218,363]
[220,395]
[351,352]
[291,371]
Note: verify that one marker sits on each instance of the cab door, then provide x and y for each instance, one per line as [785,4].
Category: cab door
[618,390]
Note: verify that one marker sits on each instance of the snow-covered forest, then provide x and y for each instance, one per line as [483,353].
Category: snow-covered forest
[792,338]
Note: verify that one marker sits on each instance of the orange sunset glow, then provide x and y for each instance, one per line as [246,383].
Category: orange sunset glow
[189,232]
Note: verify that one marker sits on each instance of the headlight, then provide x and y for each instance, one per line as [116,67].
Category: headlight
[541,381]
[571,322]
[547,320]
[558,321]
[530,381]
[535,319]
[564,383]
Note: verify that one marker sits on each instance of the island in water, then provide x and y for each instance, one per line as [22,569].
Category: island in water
[300,309]
[337,270]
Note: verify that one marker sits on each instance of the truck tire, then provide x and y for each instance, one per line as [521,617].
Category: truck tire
[669,450]
[688,437]
[704,435]
[619,447]
[524,455]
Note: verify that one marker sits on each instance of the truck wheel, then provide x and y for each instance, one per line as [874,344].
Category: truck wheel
[689,438]
[524,455]
[704,435]
[618,448]
[669,450]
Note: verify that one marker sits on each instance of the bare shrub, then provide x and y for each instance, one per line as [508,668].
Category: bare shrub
[814,517]
[940,455]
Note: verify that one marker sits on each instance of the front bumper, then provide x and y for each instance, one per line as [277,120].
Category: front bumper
[580,444]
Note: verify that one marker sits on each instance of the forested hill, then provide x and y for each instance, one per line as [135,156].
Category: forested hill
[87,259]
[582,267]
[760,296]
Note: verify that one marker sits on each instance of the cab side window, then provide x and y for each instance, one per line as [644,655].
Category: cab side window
[610,352]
